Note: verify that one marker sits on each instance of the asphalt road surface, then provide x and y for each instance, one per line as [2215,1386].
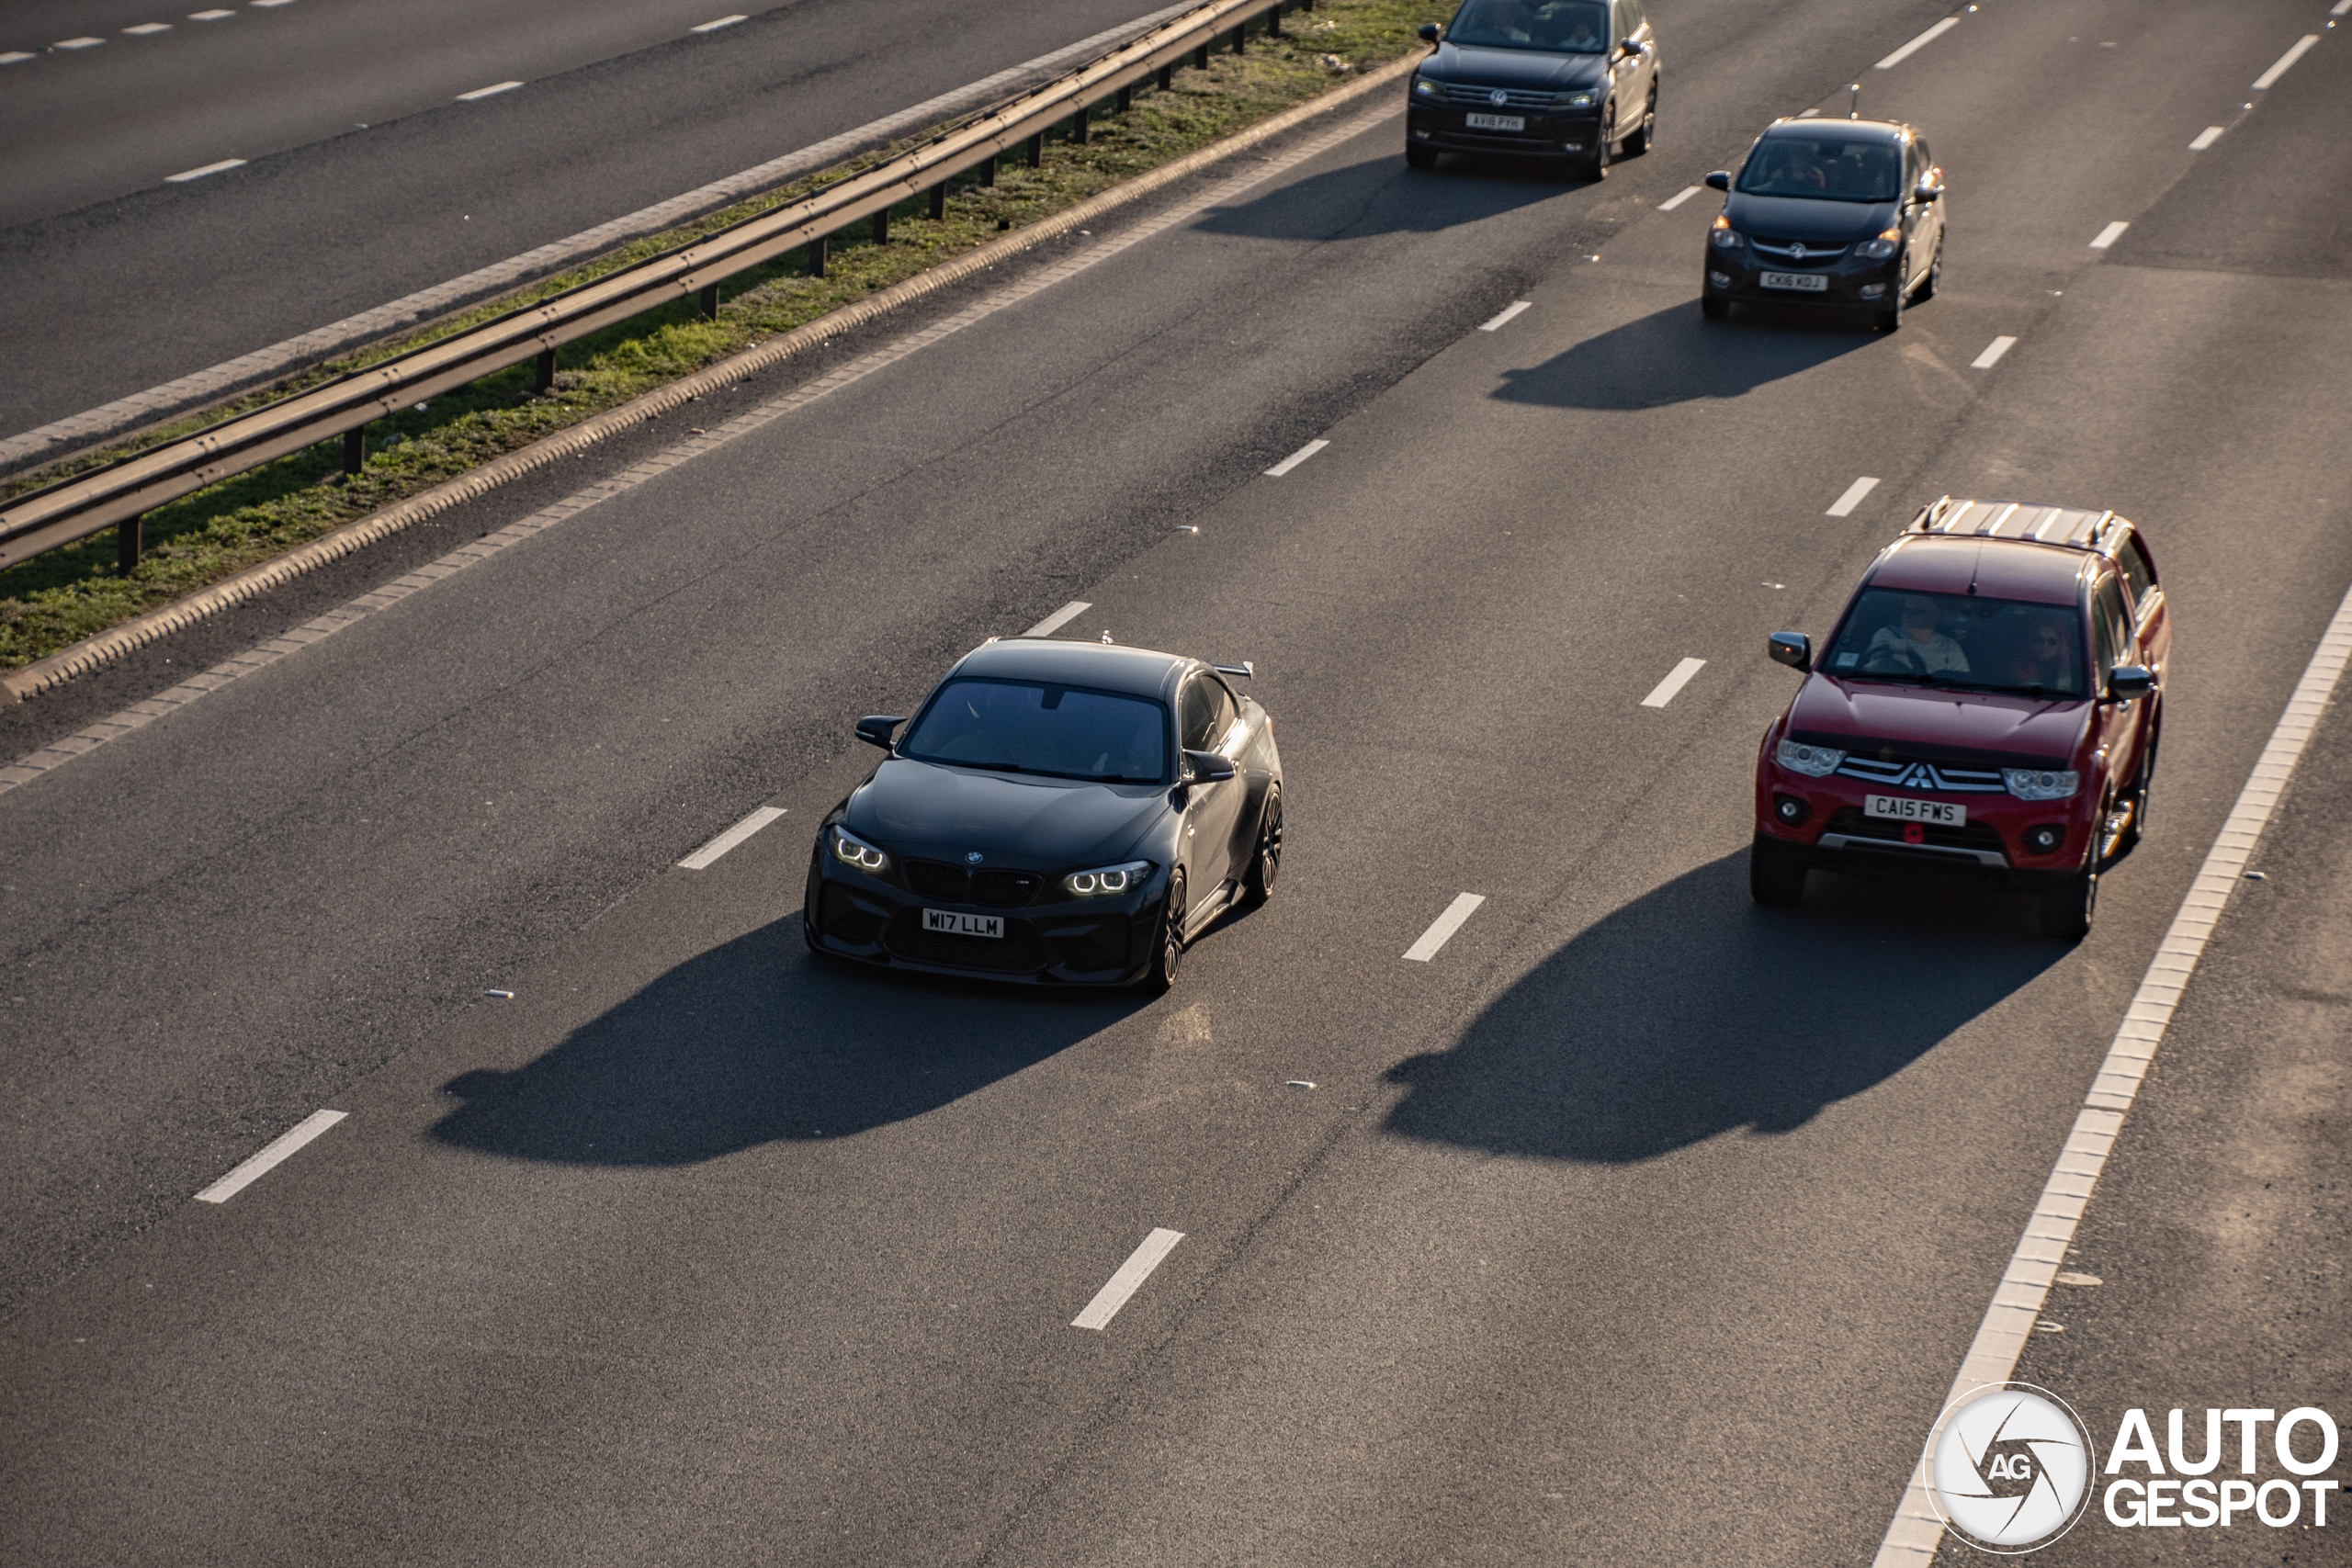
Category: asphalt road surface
[1638,1227]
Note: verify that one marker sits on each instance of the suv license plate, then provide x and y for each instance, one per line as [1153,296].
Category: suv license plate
[1494,122]
[1809,282]
[948,920]
[1902,808]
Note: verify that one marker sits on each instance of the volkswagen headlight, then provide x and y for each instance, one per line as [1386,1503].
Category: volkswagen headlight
[1106,879]
[1723,235]
[851,850]
[1576,100]
[1813,761]
[1888,241]
[2041,784]
[1425,88]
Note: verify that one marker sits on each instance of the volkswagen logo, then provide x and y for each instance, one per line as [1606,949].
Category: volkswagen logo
[1499,98]
[972,857]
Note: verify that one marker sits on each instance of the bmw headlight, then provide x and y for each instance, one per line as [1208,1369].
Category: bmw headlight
[1723,235]
[1813,761]
[2041,784]
[1888,241]
[1576,100]
[851,850]
[1105,879]
[1425,88]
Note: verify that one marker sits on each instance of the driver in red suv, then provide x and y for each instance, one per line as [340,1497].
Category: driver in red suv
[1988,706]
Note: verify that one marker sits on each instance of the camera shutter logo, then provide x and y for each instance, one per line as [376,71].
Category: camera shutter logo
[2011,1470]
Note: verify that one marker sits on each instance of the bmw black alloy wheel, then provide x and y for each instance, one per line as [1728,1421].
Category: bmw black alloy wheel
[1258,886]
[1168,946]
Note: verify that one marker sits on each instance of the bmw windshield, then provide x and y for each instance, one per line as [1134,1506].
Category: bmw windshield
[1023,727]
[1562,27]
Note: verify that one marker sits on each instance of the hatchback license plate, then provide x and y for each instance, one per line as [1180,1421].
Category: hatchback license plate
[948,920]
[1805,282]
[1902,808]
[1494,122]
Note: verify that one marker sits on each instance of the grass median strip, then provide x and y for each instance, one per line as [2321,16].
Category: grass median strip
[56,600]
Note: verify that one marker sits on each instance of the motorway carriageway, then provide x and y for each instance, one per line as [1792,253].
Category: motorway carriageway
[1609,1190]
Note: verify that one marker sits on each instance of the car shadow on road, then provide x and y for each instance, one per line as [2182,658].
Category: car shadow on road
[1363,199]
[1692,1012]
[758,1040]
[1677,356]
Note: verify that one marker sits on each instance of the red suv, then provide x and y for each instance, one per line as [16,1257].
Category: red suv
[1989,707]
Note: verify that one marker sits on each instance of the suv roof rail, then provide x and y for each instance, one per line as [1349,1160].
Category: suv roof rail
[2072,527]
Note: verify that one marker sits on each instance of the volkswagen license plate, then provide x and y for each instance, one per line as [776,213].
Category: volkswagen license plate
[954,924]
[1808,282]
[1902,808]
[1495,122]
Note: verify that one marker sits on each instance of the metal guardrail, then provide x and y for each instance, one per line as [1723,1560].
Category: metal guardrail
[118,495]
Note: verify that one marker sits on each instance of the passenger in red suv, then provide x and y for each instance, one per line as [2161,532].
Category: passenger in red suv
[1988,706]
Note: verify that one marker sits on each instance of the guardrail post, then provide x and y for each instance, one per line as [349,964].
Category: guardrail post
[127,541]
[1126,97]
[882,227]
[939,201]
[710,301]
[1201,58]
[817,255]
[1275,22]
[354,449]
[987,170]
[1167,77]
[1079,123]
[1037,148]
[544,367]
[1240,34]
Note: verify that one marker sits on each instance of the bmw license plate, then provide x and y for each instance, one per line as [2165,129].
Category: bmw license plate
[948,920]
[1902,808]
[1495,122]
[1805,282]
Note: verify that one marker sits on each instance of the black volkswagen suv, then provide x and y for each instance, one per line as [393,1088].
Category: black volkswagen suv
[1550,78]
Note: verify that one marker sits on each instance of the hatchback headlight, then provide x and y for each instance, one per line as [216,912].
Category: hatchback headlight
[1888,241]
[1425,88]
[1105,879]
[1723,237]
[2041,784]
[1813,761]
[1576,100]
[851,850]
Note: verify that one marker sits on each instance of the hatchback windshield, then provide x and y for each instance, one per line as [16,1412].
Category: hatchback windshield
[1561,26]
[1951,639]
[1827,168]
[1021,726]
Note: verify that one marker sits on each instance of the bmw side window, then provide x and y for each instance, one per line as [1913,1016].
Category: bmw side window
[1228,712]
[1196,714]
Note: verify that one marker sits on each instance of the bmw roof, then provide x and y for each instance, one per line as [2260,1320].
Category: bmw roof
[1105,667]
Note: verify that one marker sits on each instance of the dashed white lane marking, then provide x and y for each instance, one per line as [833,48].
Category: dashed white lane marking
[1296,458]
[1677,678]
[1677,198]
[1922,41]
[492,91]
[1992,355]
[1128,1280]
[15,55]
[1513,309]
[144,28]
[272,1156]
[2341,7]
[722,22]
[1844,505]
[1445,926]
[706,857]
[1809,114]
[2212,133]
[214,16]
[1911,1537]
[78,43]
[2110,235]
[1059,618]
[2281,66]
[269,5]
[186,175]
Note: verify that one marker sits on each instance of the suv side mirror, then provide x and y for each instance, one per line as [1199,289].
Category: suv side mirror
[1428,32]
[1207,767]
[2126,681]
[875,729]
[1792,648]
[1719,180]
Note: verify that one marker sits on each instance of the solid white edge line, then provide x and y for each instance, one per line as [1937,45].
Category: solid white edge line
[492,91]
[2294,53]
[1678,678]
[1677,198]
[2110,235]
[1844,505]
[1128,1280]
[722,22]
[1513,309]
[1059,618]
[705,857]
[1930,36]
[2212,133]
[272,1154]
[1992,355]
[186,175]
[1296,458]
[1911,1537]
[1445,926]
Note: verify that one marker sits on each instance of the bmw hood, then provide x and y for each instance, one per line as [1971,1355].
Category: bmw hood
[1515,68]
[2020,729]
[1032,821]
[1796,218]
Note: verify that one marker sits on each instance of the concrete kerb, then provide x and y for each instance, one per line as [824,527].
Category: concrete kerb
[92,652]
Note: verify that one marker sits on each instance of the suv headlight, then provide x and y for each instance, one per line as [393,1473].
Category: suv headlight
[1107,879]
[851,850]
[1425,88]
[1889,240]
[1813,761]
[1723,236]
[2041,784]
[1576,100]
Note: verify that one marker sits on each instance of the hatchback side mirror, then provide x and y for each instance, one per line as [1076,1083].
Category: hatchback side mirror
[1930,191]
[1792,648]
[1207,767]
[876,729]
[1428,32]
[2127,682]
[1719,180]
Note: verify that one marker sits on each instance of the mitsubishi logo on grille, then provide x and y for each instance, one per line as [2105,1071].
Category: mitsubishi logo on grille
[1918,775]
[1499,98]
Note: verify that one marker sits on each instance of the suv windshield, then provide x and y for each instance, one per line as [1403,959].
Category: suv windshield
[1025,726]
[1561,26]
[1827,168]
[1951,639]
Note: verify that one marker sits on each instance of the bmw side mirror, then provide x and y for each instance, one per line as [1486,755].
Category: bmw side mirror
[1207,767]
[1719,180]
[875,729]
[2129,681]
[1792,648]
[1428,32]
